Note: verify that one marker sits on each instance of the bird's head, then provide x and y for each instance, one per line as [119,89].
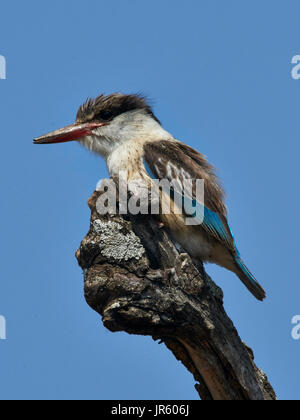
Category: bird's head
[107,121]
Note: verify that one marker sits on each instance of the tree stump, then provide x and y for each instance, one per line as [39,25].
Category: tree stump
[139,283]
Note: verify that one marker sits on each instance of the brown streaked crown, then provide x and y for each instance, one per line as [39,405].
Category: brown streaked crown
[106,108]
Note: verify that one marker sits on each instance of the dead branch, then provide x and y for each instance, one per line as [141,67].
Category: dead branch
[139,283]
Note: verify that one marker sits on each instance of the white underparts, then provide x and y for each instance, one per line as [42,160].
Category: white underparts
[121,141]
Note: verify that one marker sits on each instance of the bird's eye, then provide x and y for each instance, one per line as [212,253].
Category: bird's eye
[105,115]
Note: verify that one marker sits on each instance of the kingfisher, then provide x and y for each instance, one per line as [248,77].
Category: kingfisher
[124,130]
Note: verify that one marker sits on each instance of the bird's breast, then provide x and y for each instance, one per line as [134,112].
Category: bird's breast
[126,159]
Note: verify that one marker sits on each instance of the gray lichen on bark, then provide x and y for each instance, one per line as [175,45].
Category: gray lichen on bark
[117,245]
[139,283]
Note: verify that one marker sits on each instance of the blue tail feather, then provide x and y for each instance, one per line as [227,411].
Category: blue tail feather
[249,280]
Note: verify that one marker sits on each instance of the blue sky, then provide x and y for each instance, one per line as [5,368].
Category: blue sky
[219,74]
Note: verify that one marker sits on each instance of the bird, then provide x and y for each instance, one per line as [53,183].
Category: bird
[123,129]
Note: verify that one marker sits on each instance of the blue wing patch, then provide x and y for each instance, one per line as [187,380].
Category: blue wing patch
[148,170]
[210,220]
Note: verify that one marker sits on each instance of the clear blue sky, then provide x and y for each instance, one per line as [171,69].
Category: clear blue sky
[220,77]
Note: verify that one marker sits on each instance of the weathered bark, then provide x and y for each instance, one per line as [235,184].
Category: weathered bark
[139,283]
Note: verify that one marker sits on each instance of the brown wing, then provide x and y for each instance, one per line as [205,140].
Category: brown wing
[174,160]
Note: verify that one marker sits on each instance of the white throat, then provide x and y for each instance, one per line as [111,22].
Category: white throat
[121,142]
